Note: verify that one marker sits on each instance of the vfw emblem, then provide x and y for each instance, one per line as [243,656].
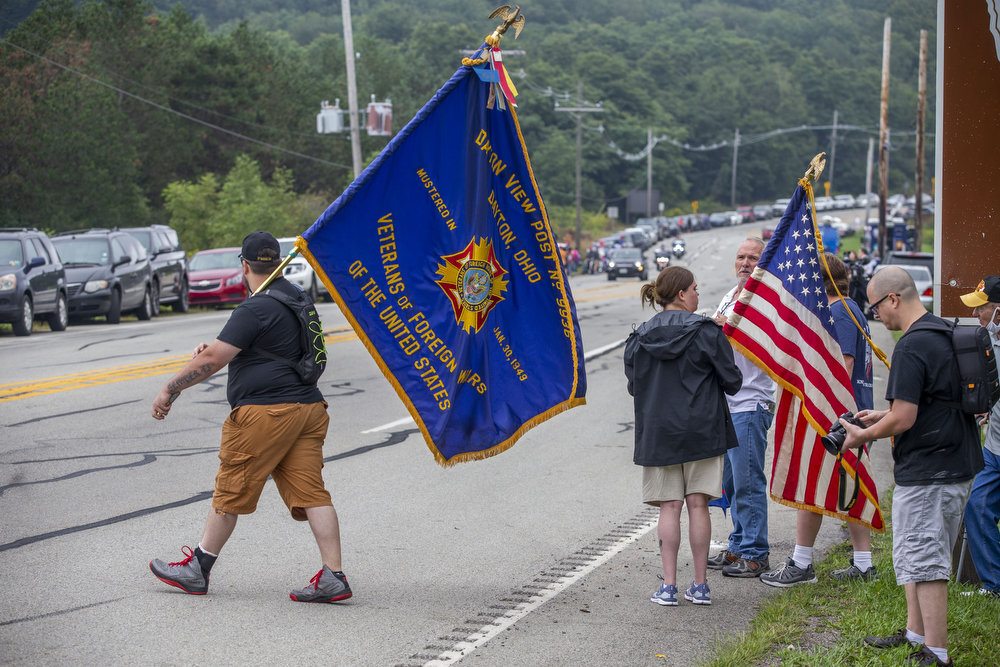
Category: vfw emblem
[473,281]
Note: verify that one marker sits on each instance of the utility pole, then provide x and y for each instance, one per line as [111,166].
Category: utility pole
[883,141]
[649,173]
[736,148]
[868,182]
[918,221]
[352,87]
[833,148]
[580,110]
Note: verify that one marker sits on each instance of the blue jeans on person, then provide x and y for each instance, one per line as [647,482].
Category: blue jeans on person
[747,490]
[981,516]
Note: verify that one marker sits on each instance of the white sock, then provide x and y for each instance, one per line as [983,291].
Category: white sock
[803,556]
[941,653]
[863,560]
[913,637]
[207,553]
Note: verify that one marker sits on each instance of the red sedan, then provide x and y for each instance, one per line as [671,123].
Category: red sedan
[215,277]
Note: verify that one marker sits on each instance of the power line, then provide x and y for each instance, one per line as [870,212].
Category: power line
[745,139]
[173,111]
[160,92]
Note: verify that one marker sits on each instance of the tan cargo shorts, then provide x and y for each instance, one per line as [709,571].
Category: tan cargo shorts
[284,442]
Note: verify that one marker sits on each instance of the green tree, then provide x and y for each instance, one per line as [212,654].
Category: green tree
[210,214]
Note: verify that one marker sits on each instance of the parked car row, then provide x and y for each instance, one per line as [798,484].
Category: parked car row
[110,272]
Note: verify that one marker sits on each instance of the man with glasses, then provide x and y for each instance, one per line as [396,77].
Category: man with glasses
[276,429]
[936,454]
[743,477]
[983,510]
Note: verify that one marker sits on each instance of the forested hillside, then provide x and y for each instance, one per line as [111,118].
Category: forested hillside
[75,153]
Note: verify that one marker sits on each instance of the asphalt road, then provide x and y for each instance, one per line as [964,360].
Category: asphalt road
[539,556]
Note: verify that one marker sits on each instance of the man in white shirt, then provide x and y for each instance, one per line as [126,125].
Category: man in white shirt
[752,410]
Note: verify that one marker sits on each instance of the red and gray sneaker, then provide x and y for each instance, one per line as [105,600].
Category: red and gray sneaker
[186,575]
[324,587]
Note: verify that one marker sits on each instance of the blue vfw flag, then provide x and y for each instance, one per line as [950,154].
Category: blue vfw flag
[441,256]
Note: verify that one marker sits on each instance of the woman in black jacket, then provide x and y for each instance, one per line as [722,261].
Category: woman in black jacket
[678,365]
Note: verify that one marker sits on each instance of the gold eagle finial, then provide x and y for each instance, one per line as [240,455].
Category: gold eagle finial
[815,168]
[511,19]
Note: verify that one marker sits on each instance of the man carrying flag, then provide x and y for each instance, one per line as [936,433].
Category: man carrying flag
[276,430]
[783,322]
[743,480]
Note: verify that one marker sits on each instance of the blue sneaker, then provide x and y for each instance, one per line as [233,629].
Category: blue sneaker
[698,594]
[667,596]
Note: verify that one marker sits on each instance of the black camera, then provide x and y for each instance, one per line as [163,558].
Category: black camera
[834,440]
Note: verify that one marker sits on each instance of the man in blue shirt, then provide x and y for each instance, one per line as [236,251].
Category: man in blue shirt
[858,359]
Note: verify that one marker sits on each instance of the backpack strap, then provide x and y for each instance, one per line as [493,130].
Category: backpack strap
[945,327]
[284,299]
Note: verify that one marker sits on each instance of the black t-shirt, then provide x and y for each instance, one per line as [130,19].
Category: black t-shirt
[270,325]
[942,446]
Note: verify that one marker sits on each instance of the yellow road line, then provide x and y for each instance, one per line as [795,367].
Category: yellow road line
[18,390]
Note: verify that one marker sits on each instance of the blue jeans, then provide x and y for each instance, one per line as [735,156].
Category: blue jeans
[747,489]
[981,516]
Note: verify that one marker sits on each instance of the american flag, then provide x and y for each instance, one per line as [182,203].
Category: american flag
[783,323]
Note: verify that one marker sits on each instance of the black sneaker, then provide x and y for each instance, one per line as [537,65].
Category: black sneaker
[790,574]
[326,587]
[853,573]
[924,657]
[722,559]
[186,575]
[744,567]
[892,641]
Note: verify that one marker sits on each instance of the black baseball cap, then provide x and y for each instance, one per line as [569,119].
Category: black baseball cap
[988,290]
[257,241]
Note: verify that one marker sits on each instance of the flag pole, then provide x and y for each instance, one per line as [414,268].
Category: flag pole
[811,176]
[278,271]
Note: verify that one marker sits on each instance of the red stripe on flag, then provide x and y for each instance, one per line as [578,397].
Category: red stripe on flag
[805,330]
[812,375]
[781,423]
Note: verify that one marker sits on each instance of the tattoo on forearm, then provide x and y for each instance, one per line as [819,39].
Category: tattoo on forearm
[180,383]
[193,377]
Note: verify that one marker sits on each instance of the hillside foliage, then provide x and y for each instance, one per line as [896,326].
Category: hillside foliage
[75,153]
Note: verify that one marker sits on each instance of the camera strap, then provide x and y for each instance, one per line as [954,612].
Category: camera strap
[842,504]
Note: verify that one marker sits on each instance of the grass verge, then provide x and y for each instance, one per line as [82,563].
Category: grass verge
[824,624]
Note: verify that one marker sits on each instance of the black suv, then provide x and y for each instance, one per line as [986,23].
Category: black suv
[107,272]
[169,262]
[32,280]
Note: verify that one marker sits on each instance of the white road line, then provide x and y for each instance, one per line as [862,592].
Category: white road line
[587,356]
[488,632]
[601,350]
[383,427]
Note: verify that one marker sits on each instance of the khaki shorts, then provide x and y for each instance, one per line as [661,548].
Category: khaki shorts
[284,442]
[665,483]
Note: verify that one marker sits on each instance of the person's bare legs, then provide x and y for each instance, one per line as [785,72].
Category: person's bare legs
[914,620]
[861,536]
[668,530]
[932,607]
[699,534]
[326,529]
[218,529]
[807,525]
